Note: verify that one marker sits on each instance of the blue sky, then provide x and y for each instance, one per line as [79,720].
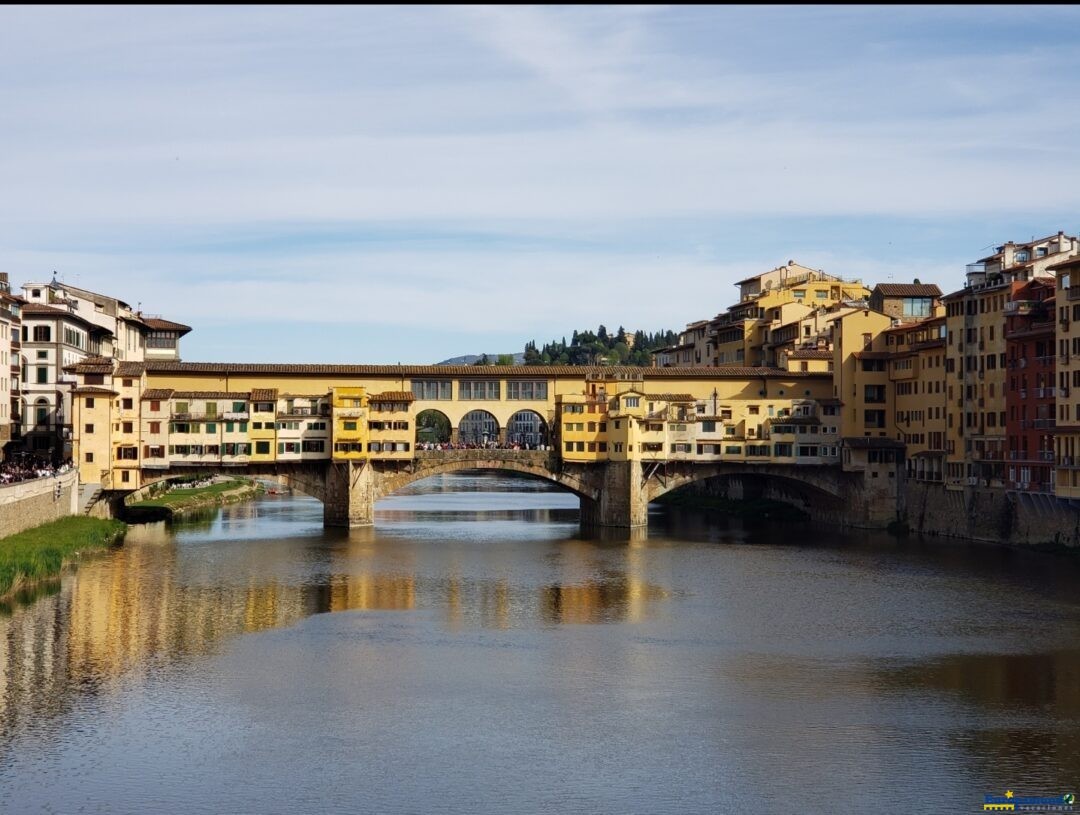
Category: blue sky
[337,184]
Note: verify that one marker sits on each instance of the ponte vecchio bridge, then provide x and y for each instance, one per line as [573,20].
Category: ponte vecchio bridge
[616,437]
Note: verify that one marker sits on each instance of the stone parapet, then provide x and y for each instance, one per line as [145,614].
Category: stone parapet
[27,504]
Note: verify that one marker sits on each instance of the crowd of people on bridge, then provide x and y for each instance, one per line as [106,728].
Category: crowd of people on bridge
[29,468]
[483,445]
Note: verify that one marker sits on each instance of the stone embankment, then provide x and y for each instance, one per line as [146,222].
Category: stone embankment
[27,504]
[159,502]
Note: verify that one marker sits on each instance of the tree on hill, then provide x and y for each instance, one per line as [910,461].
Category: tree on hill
[600,347]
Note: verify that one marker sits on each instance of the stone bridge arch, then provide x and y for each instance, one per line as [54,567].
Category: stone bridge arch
[538,464]
[307,479]
[823,492]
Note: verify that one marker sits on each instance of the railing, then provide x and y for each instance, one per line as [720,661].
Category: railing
[1074,293]
[200,417]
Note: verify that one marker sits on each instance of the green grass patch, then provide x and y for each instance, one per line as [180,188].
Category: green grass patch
[39,553]
[183,497]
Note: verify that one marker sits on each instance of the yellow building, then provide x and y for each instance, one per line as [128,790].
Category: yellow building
[350,414]
[390,426]
[917,376]
[860,374]
[262,432]
[1067,432]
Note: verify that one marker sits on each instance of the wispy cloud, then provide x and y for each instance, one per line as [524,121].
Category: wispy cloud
[577,154]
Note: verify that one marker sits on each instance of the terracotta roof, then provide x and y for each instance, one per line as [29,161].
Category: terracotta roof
[810,354]
[156,394]
[237,395]
[158,324]
[872,442]
[1071,263]
[263,394]
[451,371]
[794,420]
[392,396]
[93,389]
[130,368]
[670,397]
[41,310]
[1026,245]
[908,289]
[91,365]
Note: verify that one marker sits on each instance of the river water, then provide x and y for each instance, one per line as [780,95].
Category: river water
[473,653]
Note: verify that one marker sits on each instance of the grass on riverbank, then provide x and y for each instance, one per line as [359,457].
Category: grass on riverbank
[169,504]
[183,497]
[39,553]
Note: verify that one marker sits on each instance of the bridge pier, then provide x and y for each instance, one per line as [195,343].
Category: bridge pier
[622,503]
[350,495]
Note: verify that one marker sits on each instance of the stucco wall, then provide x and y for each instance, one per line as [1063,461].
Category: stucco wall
[31,503]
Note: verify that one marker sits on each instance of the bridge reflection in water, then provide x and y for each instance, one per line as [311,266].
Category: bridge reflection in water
[157,600]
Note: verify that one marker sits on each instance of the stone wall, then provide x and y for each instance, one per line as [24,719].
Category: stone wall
[32,503]
[991,515]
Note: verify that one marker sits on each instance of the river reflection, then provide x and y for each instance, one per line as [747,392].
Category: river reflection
[479,647]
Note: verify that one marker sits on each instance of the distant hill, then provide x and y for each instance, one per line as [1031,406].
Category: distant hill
[469,359]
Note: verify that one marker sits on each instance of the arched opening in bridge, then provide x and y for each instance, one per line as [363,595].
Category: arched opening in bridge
[432,427]
[478,427]
[756,496]
[528,429]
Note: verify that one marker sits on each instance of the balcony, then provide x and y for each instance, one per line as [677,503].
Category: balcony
[1044,424]
[197,417]
[1074,293]
[1063,359]
[235,415]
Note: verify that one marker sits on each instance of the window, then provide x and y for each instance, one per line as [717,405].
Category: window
[264,407]
[181,407]
[89,401]
[262,448]
[125,476]
[708,427]
[128,404]
[89,458]
[155,427]
[632,401]
[478,389]
[348,425]
[799,294]
[129,427]
[42,354]
[211,427]
[127,453]
[42,333]
[42,375]
[313,446]
[431,389]
[239,407]
[88,428]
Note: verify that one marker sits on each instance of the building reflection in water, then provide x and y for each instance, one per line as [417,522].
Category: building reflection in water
[120,615]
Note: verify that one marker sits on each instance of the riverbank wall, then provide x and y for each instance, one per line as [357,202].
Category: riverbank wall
[996,516]
[980,514]
[27,504]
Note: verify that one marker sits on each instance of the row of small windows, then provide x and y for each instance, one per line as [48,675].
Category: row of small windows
[481,389]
